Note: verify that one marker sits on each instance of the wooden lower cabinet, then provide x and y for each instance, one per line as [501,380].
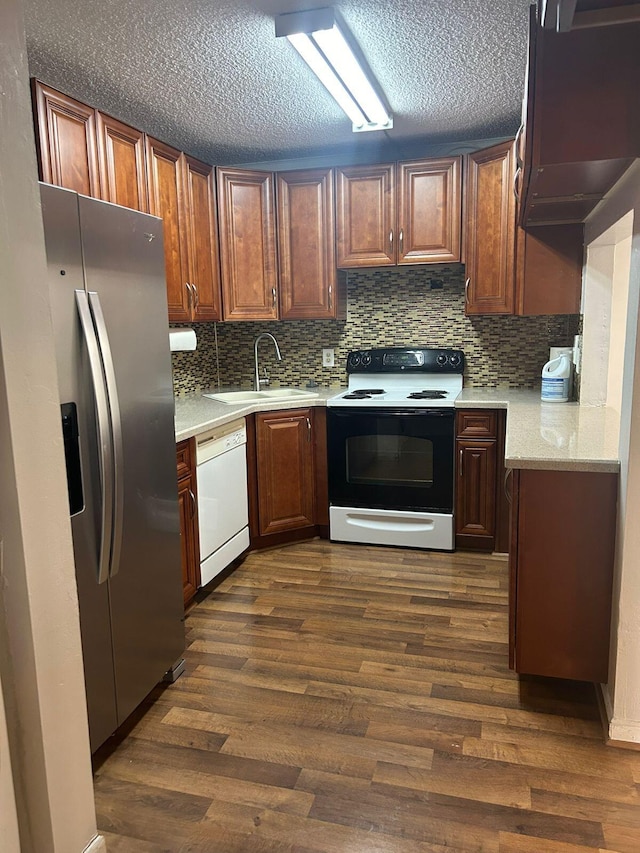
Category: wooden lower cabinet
[287,472]
[481,511]
[561,573]
[188,510]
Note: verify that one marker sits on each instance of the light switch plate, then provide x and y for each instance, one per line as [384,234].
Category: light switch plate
[328,357]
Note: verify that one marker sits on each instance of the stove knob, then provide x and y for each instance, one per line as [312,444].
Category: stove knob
[442,359]
[366,359]
[455,359]
[354,359]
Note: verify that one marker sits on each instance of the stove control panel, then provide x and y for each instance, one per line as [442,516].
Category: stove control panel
[405,359]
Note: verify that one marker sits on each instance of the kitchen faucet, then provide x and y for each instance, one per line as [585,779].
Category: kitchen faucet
[264,381]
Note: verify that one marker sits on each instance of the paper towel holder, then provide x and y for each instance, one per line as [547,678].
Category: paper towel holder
[182,340]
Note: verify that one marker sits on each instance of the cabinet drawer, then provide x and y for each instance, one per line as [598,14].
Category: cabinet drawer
[477,423]
[184,455]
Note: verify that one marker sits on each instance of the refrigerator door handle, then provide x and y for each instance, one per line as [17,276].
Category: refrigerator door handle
[116,431]
[104,433]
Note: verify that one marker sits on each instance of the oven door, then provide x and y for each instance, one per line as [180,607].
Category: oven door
[391,459]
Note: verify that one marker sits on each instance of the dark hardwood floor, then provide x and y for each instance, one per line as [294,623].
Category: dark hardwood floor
[346,699]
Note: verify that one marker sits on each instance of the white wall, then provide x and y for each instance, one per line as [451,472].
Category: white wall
[41,672]
[622,694]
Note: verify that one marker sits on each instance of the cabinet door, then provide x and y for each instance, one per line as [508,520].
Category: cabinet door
[121,154]
[247,245]
[549,269]
[307,246]
[286,487]
[563,562]
[166,199]
[490,247]
[188,539]
[67,147]
[429,211]
[366,216]
[188,511]
[476,494]
[202,230]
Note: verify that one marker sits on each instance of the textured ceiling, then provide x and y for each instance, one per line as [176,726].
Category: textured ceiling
[210,77]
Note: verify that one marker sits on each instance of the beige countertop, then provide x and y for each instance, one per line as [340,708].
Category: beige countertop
[196,414]
[555,436]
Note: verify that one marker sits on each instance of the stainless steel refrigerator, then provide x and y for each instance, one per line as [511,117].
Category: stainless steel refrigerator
[109,308]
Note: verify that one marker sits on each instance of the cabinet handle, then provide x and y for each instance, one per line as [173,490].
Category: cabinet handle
[466,291]
[516,144]
[308,430]
[400,240]
[274,296]
[196,299]
[189,297]
[507,491]
[330,297]
[515,184]
[193,504]
[461,462]
[390,240]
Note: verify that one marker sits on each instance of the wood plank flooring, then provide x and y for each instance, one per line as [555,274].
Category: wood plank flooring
[349,699]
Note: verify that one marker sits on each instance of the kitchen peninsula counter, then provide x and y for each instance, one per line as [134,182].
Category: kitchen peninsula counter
[551,436]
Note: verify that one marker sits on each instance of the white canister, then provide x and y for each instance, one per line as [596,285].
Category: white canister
[556,380]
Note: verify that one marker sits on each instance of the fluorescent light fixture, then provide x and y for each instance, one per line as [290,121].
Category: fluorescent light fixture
[317,37]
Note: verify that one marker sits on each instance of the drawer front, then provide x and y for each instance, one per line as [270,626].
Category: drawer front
[184,455]
[477,423]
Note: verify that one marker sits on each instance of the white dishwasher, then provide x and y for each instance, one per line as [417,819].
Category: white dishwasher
[221,457]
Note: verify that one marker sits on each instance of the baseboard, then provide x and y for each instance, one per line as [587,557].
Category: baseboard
[97,845]
[622,734]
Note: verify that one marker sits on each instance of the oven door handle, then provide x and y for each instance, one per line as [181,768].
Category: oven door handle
[354,411]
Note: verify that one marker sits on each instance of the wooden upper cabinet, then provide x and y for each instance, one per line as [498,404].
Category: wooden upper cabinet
[123,178]
[490,231]
[202,234]
[549,269]
[165,177]
[366,216]
[66,132]
[306,245]
[247,245]
[429,211]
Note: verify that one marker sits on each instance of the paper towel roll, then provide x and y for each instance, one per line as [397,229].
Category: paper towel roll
[182,339]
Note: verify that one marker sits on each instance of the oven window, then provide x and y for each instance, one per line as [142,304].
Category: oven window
[390,460]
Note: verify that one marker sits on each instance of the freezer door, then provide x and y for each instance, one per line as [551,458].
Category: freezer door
[124,266]
[64,259]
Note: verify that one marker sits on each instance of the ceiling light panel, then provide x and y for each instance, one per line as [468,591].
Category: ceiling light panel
[317,37]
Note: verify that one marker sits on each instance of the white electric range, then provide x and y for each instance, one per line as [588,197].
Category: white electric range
[391,448]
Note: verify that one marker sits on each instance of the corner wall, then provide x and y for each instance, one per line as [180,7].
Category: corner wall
[40,654]
[622,694]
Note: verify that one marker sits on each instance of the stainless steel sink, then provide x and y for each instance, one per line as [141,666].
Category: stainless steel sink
[281,394]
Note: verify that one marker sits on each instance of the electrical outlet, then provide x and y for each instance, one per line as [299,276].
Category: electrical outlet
[328,357]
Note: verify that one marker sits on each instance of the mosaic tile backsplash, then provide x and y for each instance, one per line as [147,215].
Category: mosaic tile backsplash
[385,307]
